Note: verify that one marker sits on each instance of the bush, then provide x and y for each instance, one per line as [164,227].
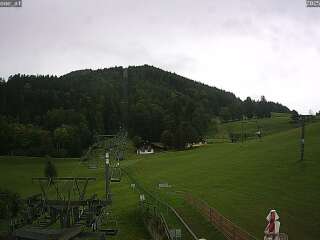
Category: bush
[9,204]
[137,141]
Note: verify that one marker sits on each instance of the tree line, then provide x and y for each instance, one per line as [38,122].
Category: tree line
[61,116]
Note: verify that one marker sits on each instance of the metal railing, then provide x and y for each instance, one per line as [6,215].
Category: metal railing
[172,220]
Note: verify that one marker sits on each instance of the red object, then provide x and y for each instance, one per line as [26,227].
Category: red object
[271,225]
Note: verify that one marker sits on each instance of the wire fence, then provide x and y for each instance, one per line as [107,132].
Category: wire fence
[174,225]
[230,230]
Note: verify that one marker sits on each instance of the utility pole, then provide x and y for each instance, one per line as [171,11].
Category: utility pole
[242,136]
[107,177]
[302,138]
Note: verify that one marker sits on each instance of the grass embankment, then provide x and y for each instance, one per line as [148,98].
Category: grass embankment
[277,123]
[244,181]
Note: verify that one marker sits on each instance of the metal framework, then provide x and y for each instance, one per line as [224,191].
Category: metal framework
[75,187]
[63,201]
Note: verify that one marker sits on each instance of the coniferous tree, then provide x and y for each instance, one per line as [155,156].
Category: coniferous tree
[59,115]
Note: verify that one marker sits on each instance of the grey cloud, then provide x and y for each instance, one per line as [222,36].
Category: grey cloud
[249,47]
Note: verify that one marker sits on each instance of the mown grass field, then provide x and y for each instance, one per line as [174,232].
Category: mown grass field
[243,181]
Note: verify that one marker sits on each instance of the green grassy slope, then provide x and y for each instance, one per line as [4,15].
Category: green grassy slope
[277,123]
[244,181]
[16,174]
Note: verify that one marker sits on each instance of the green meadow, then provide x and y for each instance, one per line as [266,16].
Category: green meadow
[242,180]
[245,180]
[277,123]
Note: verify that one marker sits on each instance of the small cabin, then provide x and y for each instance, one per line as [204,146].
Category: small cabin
[145,149]
[150,148]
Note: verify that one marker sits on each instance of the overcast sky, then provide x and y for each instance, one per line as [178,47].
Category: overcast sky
[251,48]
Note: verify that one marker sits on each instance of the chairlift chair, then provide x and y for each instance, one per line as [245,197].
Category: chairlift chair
[111,228]
[92,166]
[115,174]
[111,231]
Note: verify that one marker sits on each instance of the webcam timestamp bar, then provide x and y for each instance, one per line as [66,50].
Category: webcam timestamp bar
[10,3]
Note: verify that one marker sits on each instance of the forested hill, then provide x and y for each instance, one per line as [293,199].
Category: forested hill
[60,115]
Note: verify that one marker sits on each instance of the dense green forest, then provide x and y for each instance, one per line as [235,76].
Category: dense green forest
[61,116]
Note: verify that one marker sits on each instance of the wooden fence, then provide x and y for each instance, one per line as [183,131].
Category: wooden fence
[230,230]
